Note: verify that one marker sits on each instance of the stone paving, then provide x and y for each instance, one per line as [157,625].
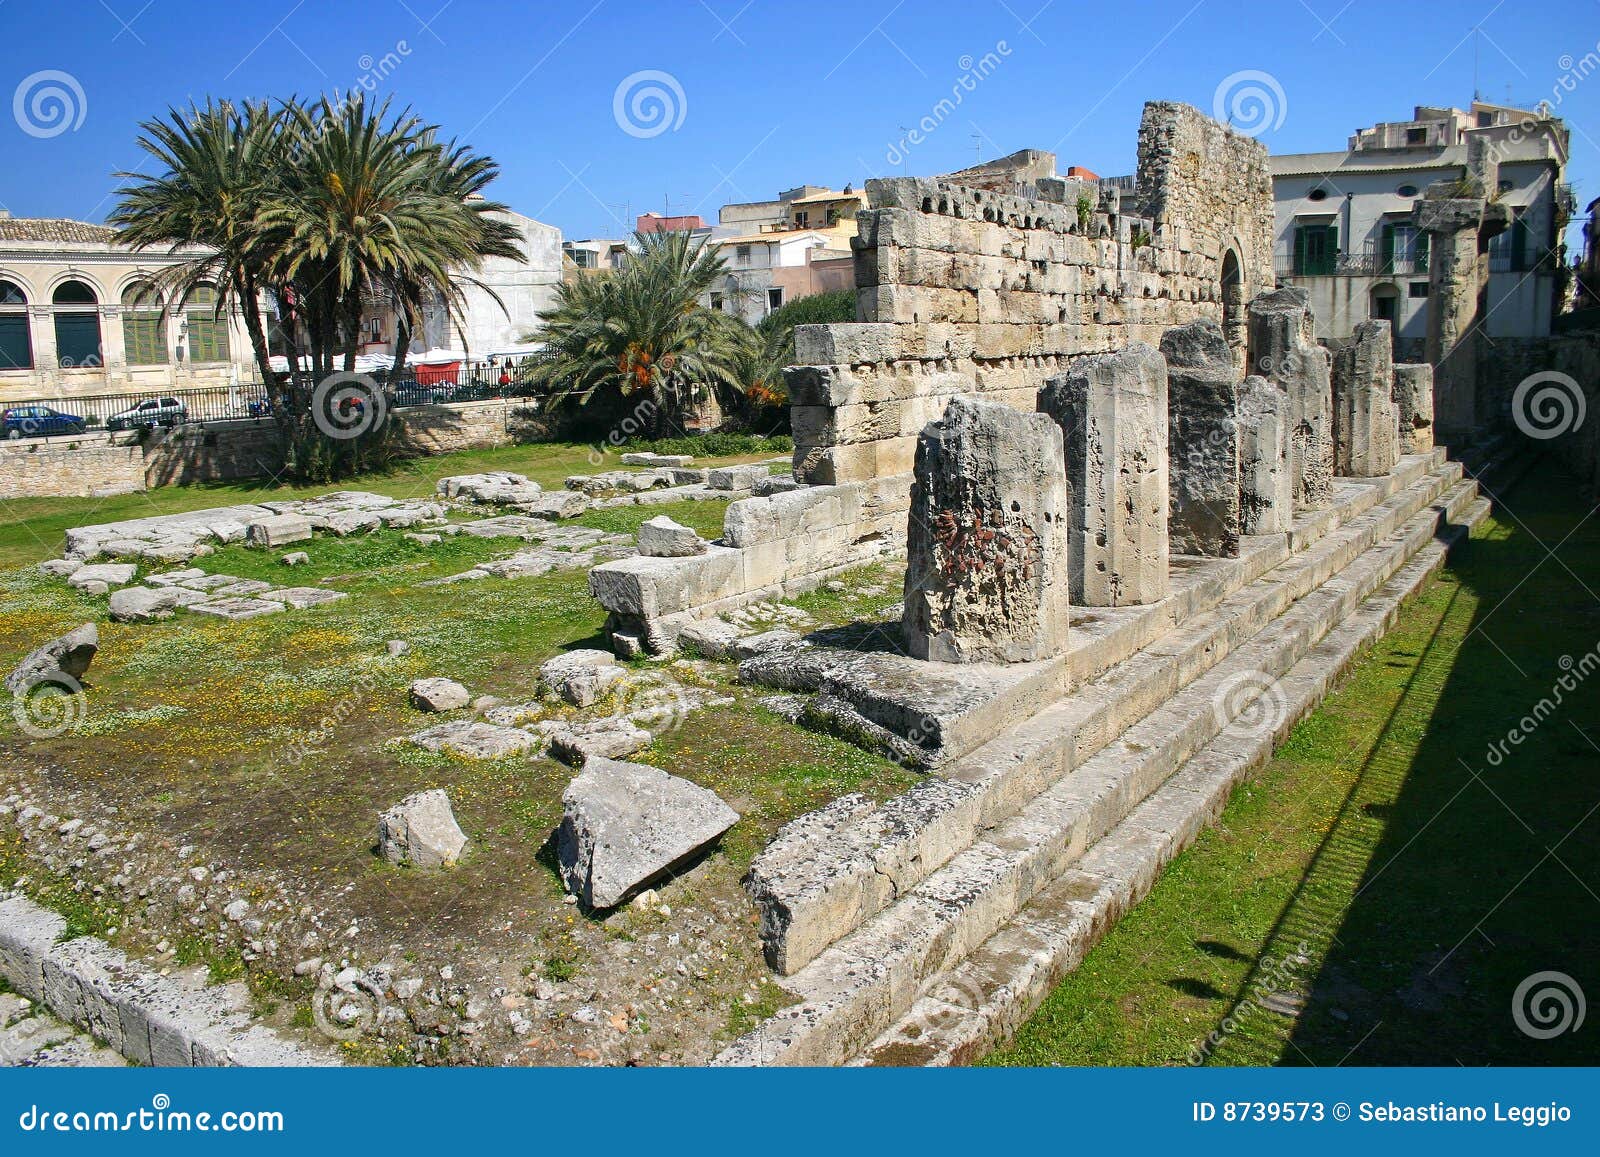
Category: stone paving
[31,1038]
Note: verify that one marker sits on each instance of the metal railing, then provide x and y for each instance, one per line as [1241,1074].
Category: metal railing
[1368,263]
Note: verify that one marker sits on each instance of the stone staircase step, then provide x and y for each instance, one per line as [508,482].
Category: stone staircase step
[856,988]
[987,996]
[825,874]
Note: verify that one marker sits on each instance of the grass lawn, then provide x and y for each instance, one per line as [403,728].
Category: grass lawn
[1379,892]
[263,747]
[32,529]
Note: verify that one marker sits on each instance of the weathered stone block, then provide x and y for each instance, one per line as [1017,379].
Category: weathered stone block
[278,530]
[1266,477]
[1203,441]
[1112,410]
[1413,400]
[986,574]
[1366,428]
[1283,350]
[421,831]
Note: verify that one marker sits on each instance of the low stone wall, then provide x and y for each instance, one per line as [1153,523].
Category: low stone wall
[98,464]
[1550,416]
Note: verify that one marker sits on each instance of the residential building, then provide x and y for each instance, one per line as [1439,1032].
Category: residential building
[592,255]
[79,315]
[1345,229]
[780,250]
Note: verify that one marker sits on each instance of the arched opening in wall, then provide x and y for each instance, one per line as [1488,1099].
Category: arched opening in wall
[77,318]
[16,345]
[1233,323]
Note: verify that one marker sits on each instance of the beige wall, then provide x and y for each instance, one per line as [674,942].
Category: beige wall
[39,268]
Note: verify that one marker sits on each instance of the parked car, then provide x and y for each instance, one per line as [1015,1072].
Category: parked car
[38,421]
[149,414]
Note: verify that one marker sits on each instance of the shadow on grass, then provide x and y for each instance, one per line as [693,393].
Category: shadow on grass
[1455,868]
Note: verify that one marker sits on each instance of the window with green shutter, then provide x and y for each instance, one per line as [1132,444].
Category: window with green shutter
[208,331]
[144,331]
[16,346]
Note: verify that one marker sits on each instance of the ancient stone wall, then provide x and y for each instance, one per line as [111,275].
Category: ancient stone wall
[972,291]
[125,463]
[1550,413]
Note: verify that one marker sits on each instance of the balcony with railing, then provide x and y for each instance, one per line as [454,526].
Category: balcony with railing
[1370,262]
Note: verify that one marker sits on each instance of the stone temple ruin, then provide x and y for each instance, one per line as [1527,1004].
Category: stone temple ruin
[1147,520]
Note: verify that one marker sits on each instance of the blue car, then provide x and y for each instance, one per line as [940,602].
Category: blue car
[39,421]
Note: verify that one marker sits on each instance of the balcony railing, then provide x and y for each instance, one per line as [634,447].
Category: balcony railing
[1369,263]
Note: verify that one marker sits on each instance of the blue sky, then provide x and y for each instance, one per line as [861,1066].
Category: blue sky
[764,95]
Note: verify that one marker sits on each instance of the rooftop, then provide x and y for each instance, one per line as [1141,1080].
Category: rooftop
[59,229]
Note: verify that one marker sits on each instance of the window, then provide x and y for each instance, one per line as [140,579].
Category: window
[77,318]
[1403,248]
[802,219]
[716,301]
[742,254]
[774,297]
[1318,194]
[1485,119]
[1316,249]
[144,330]
[208,332]
[1416,136]
[1417,289]
[16,347]
[1407,191]
[582,258]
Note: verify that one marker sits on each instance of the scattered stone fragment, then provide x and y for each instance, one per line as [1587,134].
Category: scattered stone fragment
[775,484]
[277,530]
[236,609]
[575,743]
[475,739]
[242,587]
[580,676]
[295,558]
[146,604]
[424,539]
[421,831]
[986,570]
[737,477]
[300,598]
[555,504]
[661,537]
[69,654]
[438,694]
[105,574]
[625,824]
[647,458]
[59,567]
[397,647]
[174,577]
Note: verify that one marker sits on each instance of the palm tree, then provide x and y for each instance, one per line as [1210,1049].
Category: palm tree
[642,329]
[220,167]
[324,207]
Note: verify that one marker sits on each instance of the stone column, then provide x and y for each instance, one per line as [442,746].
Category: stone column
[1458,230]
[1284,351]
[986,566]
[1266,475]
[1366,429]
[1112,410]
[1413,402]
[1202,441]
